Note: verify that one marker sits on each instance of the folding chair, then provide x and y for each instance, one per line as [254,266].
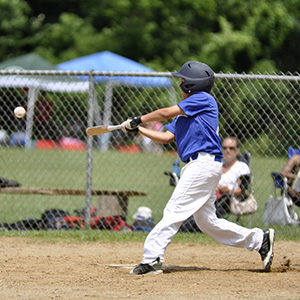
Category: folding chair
[279,179]
[292,151]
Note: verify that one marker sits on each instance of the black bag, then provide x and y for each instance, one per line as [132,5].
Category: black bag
[8,183]
[26,224]
[53,219]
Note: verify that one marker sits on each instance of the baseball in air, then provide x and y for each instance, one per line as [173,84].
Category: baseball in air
[19,112]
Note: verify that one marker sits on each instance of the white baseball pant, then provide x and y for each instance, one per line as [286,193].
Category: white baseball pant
[195,195]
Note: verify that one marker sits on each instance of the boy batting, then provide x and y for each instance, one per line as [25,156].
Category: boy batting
[195,129]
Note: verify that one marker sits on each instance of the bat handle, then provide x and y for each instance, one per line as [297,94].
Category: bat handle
[113,127]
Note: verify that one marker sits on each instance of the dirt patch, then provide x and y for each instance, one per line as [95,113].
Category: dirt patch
[38,270]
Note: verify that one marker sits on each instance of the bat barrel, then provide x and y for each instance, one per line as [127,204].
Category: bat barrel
[101,129]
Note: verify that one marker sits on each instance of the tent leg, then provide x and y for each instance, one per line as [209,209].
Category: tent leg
[32,95]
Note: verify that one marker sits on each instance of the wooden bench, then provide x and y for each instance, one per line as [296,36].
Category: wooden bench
[110,203]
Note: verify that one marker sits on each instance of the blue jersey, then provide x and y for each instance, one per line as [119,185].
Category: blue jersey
[197,129]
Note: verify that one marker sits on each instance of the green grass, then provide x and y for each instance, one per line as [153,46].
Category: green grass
[111,170]
[78,236]
[67,169]
[103,236]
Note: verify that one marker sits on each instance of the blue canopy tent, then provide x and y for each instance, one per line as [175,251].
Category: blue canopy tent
[108,61]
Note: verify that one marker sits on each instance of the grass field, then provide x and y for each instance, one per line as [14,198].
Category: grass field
[111,170]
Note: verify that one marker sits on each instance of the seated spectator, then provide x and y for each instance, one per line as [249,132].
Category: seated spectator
[292,172]
[232,169]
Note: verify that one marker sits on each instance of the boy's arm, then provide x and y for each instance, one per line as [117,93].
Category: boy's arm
[162,114]
[157,115]
[158,136]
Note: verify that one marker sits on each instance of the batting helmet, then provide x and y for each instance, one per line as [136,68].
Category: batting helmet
[198,77]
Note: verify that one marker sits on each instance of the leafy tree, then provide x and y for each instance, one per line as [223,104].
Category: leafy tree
[52,9]
[231,35]
[19,33]
[229,50]
[71,37]
[159,33]
[269,24]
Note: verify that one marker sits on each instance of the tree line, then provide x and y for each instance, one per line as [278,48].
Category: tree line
[229,35]
[254,36]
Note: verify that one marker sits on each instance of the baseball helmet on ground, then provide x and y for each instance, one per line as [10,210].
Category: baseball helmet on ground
[198,77]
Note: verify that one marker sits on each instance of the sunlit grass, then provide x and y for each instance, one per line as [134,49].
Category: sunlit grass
[111,170]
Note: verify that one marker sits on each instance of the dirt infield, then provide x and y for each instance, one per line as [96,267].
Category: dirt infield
[31,269]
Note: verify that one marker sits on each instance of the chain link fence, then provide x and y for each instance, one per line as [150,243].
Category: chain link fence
[54,176]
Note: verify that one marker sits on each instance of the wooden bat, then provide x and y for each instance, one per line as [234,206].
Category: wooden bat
[101,129]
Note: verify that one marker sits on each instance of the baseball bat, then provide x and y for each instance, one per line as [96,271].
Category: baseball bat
[101,129]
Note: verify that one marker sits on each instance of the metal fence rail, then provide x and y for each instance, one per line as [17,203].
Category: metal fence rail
[49,150]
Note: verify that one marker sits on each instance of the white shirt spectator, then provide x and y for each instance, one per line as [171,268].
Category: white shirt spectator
[230,178]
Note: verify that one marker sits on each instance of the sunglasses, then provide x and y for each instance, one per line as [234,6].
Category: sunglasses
[230,148]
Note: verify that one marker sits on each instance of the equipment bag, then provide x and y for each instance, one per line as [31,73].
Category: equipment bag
[114,223]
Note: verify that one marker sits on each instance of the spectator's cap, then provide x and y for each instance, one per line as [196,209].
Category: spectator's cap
[143,213]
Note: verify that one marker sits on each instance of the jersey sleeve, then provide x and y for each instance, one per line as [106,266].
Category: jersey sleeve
[194,105]
[171,126]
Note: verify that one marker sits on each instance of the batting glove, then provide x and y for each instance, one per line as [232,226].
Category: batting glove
[132,123]
[127,130]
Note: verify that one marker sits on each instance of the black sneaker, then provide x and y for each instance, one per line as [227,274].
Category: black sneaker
[154,267]
[266,250]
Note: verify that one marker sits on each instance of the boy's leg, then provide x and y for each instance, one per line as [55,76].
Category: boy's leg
[195,187]
[231,234]
[226,232]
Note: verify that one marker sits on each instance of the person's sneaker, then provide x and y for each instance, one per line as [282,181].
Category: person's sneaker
[266,250]
[154,267]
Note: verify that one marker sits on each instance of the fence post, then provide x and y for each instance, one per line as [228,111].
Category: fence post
[89,163]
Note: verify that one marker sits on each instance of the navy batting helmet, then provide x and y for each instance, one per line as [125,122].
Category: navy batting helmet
[198,77]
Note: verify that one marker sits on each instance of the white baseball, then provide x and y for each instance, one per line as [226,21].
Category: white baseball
[19,112]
